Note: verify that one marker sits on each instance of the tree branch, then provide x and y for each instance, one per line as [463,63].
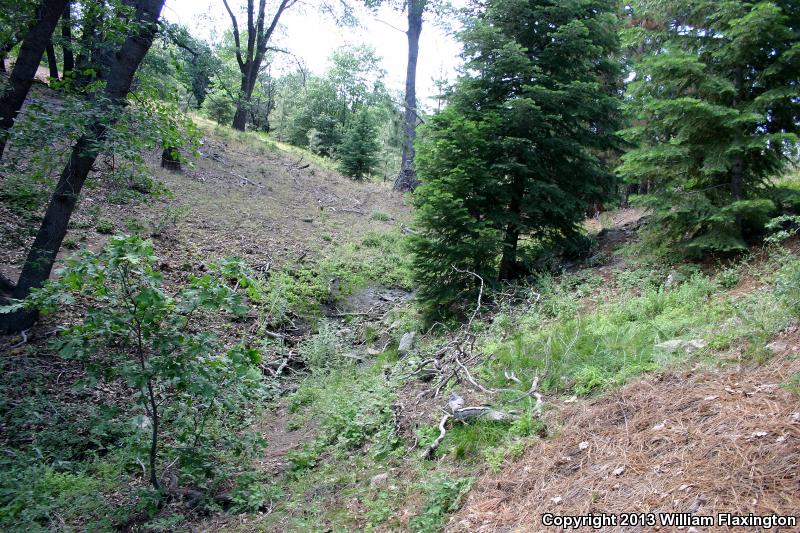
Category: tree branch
[235,35]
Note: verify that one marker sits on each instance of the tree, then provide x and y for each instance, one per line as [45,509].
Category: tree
[52,60]
[716,109]
[30,54]
[407,178]
[152,338]
[503,163]
[118,70]
[66,40]
[358,152]
[249,59]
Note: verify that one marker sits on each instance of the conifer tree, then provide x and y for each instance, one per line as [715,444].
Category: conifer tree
[716,109]
[511,164]
[358,153]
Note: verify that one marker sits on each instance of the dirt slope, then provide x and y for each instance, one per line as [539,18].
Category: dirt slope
[242,196]
[705,442]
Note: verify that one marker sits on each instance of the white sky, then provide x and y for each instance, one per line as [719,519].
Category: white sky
[312,37]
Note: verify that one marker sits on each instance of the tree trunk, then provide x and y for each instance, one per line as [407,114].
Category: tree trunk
[246,92]
[508,262]
[52,61]
[119,74]
[30,54]
[407,179]
[66,36]
[170,159]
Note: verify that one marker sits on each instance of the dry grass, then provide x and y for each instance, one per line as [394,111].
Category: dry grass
[705,441]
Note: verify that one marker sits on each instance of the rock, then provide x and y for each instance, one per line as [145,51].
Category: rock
[455,402]
[373,351]
[673,278]
[379,480]
[777,347]
[675,345]
[406,342]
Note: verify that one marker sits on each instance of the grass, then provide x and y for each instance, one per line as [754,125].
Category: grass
[580,353]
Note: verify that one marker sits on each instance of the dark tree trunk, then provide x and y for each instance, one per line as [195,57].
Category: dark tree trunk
[119,74]
[508,263]
[407,179]
[52,61]
[30,54]
[243,105]
[66,37]
[170,159]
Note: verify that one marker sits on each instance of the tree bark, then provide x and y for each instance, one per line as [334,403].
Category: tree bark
[508,263]
[52,61]
[66,36]
[407,179]
[30,54]
[118,73]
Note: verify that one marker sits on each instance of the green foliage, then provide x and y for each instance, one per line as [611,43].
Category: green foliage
[380,216]
[507,175]
[351,412]
[359,149]
[218,106]
[715,116]
[136,332]
[782,228]
[444,497]
[104,226]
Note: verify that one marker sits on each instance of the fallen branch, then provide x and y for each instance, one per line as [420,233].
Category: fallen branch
[472,380]
[537,409]
[435,444]
[24,334]
[487,413]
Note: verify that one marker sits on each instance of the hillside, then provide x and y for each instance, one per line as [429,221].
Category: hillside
[625,424]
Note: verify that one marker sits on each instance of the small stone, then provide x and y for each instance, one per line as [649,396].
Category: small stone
[571,399]
[618,471]
[710,398]
[583,445]
[780,439]
[379,480]
[406,342]
[777,347]
[373,351]
[556,500]
[759,434]
[660,426]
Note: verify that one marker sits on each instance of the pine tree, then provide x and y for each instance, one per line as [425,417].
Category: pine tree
[715,106]
[358,153]
[511,164]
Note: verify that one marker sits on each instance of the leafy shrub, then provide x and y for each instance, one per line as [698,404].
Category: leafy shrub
[104,226]
[136,331]
[380,216]
[444,496]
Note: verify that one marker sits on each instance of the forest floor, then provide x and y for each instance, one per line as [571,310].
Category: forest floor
[708,424]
